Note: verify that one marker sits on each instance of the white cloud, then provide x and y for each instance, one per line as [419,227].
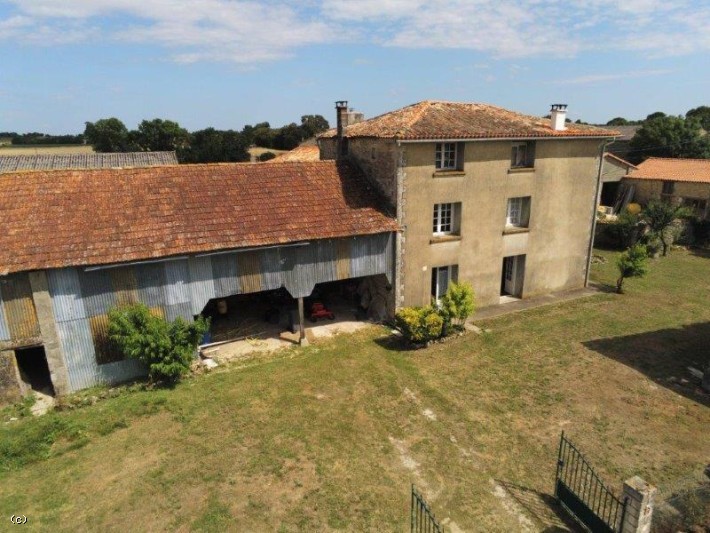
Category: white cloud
[252,31]
[598,78]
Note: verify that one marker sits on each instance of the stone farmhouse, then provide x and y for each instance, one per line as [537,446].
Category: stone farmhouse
[679,181]
[397,207]
[502,200]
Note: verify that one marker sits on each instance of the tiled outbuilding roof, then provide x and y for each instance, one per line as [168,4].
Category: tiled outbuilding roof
[619,161]
[668,169]
[304,152]
[451,120]
[64,218]
[13,163]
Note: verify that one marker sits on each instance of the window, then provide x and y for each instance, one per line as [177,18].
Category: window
[449,156]
[518,213]
[440,279]
[446,219]
[522,155]
[668,187]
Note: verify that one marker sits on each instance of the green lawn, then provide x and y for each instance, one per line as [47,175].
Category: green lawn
[330,437]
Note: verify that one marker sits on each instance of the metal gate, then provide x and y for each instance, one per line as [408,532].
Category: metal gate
[423,520]
[584,495]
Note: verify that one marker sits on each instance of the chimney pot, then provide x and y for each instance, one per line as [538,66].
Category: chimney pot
[558,114]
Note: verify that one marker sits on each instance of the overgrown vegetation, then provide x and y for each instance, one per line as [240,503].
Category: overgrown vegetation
[659,216]
[166,348]
[457,304]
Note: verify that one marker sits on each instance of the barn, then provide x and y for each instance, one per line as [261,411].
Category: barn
[177,238]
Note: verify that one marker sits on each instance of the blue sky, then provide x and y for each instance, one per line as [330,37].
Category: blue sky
[226,63]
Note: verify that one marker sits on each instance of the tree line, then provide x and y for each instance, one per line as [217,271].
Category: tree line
[661,135]
[203,146]
[36,138]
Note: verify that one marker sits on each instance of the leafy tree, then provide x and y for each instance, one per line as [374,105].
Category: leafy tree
[618,121]
[166,348]
[108,135]
[654,116]
[670,137]
[702,115]
[313,124]
[631,264]
[288,137]
[214,146]
[161,135]
[659,216]
[263,136]
[457,304]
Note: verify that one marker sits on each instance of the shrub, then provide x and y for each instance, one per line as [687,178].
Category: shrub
[631,264]
[625,230]
[266,156]
[166,348]
[633,209]
[457,304]
[419,324]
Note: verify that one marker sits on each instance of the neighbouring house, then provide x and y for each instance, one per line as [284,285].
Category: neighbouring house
[614,195]
[178,238]
[622,144]
[679,181]
[14,163]
[500,199]
[303,152]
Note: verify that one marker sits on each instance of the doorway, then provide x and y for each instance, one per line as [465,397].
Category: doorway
[34,370]
[513,276]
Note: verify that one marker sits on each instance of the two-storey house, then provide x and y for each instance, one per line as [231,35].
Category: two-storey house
[503,200]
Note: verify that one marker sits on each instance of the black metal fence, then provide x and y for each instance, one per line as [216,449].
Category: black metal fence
[423,520]
[584,495]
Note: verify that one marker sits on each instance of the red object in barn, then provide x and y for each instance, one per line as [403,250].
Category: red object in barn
[318,310]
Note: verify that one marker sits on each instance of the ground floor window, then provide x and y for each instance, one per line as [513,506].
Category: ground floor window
[440,279]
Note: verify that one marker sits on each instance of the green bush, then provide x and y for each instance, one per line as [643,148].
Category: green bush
[631,264]
[266,156]
[419,324]
[625,230]
[166,348]
[457,304]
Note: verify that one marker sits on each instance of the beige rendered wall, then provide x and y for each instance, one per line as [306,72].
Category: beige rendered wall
[646,190]
[561,186]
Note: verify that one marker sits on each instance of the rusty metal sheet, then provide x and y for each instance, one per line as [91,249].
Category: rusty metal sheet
[20,313]
[342,261]
[249,268]
[125,285]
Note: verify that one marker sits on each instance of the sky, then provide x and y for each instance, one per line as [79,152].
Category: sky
[227,63]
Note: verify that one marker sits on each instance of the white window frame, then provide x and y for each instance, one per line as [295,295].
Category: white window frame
[444,221]
[520,155]
[514,213]
[446,156]
[451,271]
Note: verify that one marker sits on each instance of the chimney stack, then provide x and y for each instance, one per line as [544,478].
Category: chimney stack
[341,109]
[558,114]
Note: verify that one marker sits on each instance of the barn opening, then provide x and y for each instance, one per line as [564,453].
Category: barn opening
[271,313]
[34,370]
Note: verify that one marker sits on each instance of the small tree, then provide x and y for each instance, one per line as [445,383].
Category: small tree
[659,216]
[632,264]
[166,348]
[457,304]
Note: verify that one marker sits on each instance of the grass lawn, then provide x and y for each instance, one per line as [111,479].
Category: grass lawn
[330,437]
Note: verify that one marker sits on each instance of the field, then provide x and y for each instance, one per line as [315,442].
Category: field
[330,437]
[46,150]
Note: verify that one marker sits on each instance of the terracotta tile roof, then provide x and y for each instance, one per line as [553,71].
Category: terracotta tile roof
[13,163]
[64,218]
[450,120]
[304,152]
[616,159]
[668,169]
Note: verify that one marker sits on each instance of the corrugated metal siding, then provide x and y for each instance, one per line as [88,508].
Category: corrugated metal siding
[4,331]
[181,288]
[249,268]
[20,313]
[201,282]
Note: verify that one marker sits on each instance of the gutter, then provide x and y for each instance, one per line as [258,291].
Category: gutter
[590,249]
